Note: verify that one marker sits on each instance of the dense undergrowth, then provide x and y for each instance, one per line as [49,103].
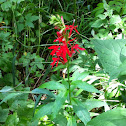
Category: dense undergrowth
[83,89]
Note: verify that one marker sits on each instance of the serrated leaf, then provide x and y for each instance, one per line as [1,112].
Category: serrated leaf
[85,86]
[53,85]
[115,117]
[44,110]
[60,99]
[112,53]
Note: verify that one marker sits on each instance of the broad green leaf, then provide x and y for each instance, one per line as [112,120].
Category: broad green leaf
[44,110]
[20,27]
[52,85]
[60,99]
[115,117]
[80,110]
[79,76]
[112,53]
[82,113]
[12,120]
[6,5]
[106,6]
[60,120]
[72,121]
[85,86]
[94,103]
[43,91]
[102,16]
[115,19]
[3,114]
[97,24]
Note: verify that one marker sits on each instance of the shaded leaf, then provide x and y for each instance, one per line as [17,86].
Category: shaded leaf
[60,99]
[3,114]
[44,110]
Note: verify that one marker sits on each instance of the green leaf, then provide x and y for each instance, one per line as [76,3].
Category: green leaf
[52,85]
[12,120]
[67,16]
[94,103]
[72,121]
[43,91]
[80,110]
[79,76]
[97,24]
[20,27]
[60,99]
[44,110]
[82,113]
[106,6]
[6,89]
[3,114]
[115,117]
[29,20]
[6,5]
[112,53]
[115,19]
[60,120]
[85,86]
[9,96]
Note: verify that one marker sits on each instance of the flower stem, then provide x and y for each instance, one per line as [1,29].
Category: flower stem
[75,11]
[68,76]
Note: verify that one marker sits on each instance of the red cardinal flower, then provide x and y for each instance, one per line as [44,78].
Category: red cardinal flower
[71,28]
[76,47]
[65,48]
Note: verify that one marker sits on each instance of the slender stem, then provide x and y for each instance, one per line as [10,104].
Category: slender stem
[75,11]
[68,76]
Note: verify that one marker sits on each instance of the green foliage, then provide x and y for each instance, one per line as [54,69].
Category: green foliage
[113,117]
[112,56]
[27,97]
[85,86]
[108,20]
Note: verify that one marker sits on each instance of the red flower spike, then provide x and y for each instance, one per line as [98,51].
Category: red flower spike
[61,51]
[54,61]
[76,47]
[71,28]
[55,49]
